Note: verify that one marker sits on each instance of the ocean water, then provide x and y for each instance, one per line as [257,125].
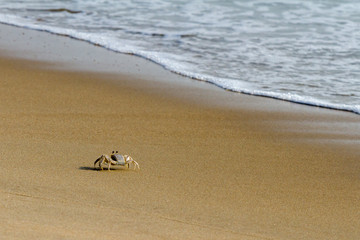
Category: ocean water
[301,51]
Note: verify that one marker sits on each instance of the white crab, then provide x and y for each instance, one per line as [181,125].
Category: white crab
[116,159]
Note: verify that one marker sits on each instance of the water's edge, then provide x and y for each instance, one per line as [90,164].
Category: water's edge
[208,79]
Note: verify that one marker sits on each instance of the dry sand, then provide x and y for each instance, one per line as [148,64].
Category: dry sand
[207,172]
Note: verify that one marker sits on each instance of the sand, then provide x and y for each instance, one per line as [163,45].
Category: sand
[214,165]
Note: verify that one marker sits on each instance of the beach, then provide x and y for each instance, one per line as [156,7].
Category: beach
[214,164]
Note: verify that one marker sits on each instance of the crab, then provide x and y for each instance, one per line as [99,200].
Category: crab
[116,159]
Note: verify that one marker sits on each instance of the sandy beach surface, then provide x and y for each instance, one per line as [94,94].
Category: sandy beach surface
[214,165]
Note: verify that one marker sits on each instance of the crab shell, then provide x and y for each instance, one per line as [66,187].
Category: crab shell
[120,160]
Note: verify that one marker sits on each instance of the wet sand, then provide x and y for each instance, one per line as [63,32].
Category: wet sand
[214,165]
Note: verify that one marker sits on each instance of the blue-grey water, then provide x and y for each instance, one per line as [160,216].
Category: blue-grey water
[301,51]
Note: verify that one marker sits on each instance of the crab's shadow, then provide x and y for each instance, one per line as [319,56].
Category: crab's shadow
[89,168]
[98,169]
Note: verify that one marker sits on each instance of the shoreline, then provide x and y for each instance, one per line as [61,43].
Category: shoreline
[132,61]
[214,165]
